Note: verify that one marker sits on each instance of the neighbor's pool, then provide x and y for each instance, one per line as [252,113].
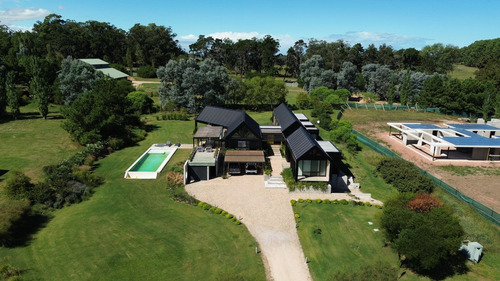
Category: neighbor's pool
[150,162]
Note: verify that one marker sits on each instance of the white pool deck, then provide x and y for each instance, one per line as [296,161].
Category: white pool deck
[155,148]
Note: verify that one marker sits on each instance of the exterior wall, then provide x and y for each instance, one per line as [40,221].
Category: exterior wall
[479,153]
[199,173]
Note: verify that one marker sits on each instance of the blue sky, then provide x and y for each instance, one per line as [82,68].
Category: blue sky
[399,23]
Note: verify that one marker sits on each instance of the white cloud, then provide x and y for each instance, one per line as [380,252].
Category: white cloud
[378,38]
[235,36]
[61,7]
[14,27]
[20,14]
[189,37]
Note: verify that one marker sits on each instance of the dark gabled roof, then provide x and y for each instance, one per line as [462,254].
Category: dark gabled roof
[286,119]
[228,118]
[301,142]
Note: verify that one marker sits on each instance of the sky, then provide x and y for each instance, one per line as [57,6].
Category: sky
[399,23]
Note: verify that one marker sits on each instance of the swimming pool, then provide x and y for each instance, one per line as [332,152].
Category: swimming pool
[151,162]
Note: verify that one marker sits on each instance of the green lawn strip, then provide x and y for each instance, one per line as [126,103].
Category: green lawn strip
[132,230]
[462,72]
[366,116]
[291,98]
[31,143]
[363,166]
[468,170]
[263,117]
[346,242]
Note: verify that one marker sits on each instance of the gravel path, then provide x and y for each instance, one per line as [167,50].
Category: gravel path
[268,215]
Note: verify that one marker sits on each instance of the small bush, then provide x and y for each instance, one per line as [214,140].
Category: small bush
[318,201]
[308,200]
[229,216]
[293,202]
[224,213]
[368,204]
[218,211]
[378,207]
[301,200]
[327,201]
[297,216]
[212,210]
[201,203]
[335,201]
[206,206]
[344,202]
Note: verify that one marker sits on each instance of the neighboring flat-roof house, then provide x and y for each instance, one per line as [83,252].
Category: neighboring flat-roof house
[240,130]
[457,141]
[105,68]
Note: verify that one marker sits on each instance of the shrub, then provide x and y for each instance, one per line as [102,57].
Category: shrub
[18,185]
[301,200]
[140,102]
[206,206]
[308,200]
[378,206]
[201,203]
[318,201]
[344,202]
[218,211]
[293,202]
[424,202]
[368,204]
[229,216]
[237,222]
[175,178]
[146,71]
[404,176]
[224,213]
[327,201]
[335,201]
[297,216]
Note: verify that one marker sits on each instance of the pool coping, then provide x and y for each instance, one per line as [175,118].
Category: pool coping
[150,175]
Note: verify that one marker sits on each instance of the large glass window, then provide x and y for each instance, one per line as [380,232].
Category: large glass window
[312,168]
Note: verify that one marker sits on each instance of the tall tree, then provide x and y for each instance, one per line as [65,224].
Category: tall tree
[76,77]
[202,46]
[347,78]
[38,87]
[154,45]
[406,89]
[12,94]
[193,85]
[265,92]
[3,89]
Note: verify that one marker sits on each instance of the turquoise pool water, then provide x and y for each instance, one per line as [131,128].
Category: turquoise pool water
[150,162]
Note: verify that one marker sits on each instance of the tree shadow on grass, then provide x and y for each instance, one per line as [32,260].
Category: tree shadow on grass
[454,265]
[3,172]
[150,127]
[22,233]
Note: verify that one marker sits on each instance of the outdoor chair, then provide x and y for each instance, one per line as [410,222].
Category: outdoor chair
[169,143]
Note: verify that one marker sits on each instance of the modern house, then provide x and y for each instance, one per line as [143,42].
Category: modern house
[105,68]
[310,159]
[455,141]
[240,130]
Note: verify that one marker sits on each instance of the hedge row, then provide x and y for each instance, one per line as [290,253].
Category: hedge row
[301,185]
[218,211]
[334,202]
[404,176]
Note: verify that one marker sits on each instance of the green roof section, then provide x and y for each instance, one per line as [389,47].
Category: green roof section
[104,67]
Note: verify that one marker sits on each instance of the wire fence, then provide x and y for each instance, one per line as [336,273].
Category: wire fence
[480,208]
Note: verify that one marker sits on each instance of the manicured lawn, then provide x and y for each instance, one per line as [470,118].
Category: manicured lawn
[132,230]
[346,242]
[30,143]
[291,98]
[463,72]
[263,117]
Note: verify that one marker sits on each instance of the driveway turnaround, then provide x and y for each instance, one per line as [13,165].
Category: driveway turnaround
[267,214]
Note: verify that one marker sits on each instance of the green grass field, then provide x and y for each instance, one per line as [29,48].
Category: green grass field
[346,242]
[129,229]
[30,143]
[463,72]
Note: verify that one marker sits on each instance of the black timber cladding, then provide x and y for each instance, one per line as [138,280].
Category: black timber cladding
[228,118]
[286,119]
[301,142]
